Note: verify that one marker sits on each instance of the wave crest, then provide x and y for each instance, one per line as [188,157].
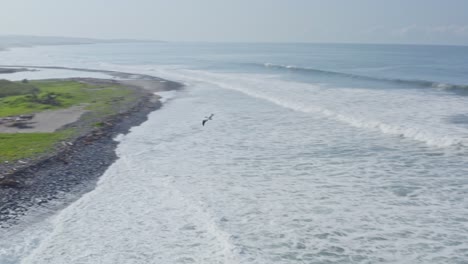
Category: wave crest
[418,83]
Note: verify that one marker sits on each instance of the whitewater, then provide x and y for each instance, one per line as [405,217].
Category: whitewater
[297,166]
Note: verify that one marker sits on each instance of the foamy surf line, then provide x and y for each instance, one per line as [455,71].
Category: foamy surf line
[255,85]
[166,96]
[185,214]
[415,134]
[249,84]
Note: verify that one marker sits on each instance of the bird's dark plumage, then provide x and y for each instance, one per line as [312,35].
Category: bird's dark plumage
[206,119]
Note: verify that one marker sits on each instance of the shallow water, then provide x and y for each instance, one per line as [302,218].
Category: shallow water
[288,171]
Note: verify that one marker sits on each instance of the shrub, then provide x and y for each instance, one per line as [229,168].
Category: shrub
[8,88]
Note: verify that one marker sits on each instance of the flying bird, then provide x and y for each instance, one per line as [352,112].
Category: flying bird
[207,118]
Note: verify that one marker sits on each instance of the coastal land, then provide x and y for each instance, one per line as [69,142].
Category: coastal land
[16,41]
[57,135]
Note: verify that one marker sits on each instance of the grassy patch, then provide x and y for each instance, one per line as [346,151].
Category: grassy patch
[98,124]
[44,95]
[36,96]
[24,145]
[8,88]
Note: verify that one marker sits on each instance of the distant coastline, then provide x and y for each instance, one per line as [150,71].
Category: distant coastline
[17,41]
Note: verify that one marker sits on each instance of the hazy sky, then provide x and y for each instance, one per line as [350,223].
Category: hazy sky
[375,21]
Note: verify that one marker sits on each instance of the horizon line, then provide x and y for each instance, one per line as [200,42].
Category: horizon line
[232,42]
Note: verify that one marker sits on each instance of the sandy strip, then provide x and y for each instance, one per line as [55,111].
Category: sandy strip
[50,121]
[47,121]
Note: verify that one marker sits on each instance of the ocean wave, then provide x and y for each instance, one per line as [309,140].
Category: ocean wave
[391,129]
[418,83]
[256,86]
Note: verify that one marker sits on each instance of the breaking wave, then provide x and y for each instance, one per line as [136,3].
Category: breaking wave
[272,89]
[418,83]
[298,98]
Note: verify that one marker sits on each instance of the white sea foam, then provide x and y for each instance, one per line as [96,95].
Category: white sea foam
[241,190]
[286,172]
[166,96]
[421,119]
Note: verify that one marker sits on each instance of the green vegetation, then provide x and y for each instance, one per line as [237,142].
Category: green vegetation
[8,88]
[24,145]
[35,96]
[99,124]
[27,97]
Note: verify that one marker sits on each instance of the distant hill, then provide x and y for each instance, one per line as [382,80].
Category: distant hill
[9,41]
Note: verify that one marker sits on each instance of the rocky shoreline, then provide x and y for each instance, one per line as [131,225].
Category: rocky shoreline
[76,167]
[12,70]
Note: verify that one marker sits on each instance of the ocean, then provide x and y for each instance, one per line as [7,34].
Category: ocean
[317,153]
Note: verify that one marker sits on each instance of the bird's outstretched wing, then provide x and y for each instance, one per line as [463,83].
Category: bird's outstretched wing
[203,122]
